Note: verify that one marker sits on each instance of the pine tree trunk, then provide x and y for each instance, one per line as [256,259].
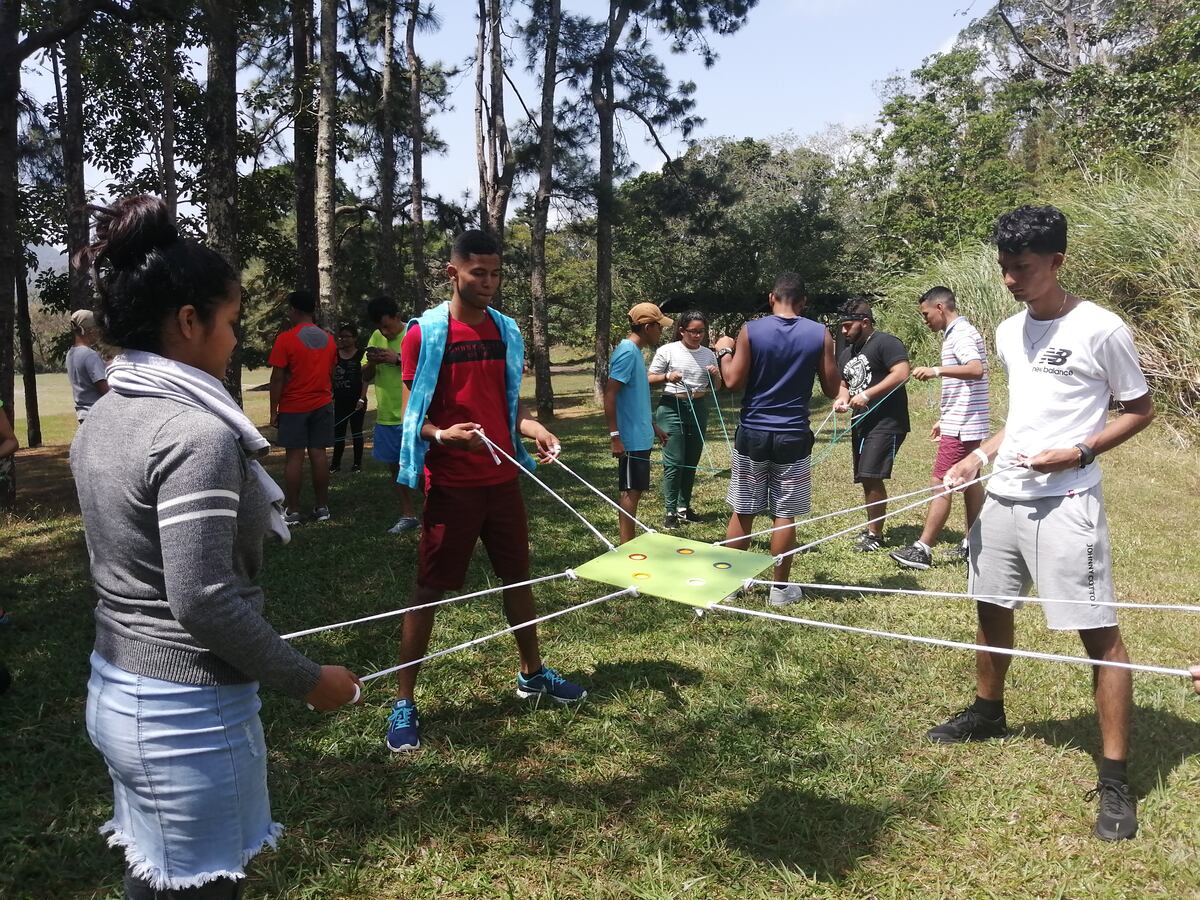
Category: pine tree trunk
[33,419]
[481,143]
[10,86]
[540,325]
[169,187]
[604,213]
[304,147]
[221,151]
[327,162]
[72,150]
[418,127]
[389,275]
[503,163]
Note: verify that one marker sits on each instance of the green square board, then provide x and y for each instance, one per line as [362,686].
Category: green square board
[675,568]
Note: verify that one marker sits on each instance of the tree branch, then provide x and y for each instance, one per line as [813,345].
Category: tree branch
[1046,64]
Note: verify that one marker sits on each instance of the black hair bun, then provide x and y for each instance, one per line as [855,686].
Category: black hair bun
[130,230]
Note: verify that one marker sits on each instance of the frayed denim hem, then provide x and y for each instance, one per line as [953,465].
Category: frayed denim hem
[143,868]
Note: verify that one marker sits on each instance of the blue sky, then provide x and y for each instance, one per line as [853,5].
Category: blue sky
[797,66]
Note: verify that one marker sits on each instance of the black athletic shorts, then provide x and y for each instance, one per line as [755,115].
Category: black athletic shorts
[633,471]
[874,453]
[779,447]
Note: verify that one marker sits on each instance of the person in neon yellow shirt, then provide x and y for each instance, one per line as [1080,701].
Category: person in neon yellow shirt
[381,365]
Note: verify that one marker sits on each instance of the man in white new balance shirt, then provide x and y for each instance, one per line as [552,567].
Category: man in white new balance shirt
[1043,523]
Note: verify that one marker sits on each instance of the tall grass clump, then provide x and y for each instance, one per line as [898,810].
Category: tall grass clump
[1134,247]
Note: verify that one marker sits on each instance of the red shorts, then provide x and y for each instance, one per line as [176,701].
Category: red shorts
[950,451]
[456,517]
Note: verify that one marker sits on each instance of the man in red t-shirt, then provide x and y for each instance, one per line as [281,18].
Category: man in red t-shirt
[469,497]
[302,362]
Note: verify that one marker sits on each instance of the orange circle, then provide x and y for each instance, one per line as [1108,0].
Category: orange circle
[637,556]
[685,551]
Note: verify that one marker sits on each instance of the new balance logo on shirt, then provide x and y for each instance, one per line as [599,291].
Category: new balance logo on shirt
[1052,360]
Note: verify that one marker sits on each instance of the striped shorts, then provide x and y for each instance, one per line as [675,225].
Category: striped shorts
[770,473]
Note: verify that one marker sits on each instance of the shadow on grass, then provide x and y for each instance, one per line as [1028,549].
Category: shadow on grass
[822,836]
[1160,741]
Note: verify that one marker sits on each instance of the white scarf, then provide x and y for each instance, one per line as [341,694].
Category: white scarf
[136,373]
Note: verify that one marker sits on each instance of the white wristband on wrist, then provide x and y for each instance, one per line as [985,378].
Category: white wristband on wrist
[982,456]
[937,372]
[613,434]
[437,436]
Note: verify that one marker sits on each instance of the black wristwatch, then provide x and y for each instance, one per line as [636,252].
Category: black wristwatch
[1087,455]
[723,352]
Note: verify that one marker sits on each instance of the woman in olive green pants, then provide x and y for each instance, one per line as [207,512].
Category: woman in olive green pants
[688,372]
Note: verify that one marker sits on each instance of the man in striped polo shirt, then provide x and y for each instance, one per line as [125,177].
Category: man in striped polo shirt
[963,422]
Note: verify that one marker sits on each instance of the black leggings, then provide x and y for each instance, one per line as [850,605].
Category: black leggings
[217,889]
[343,417]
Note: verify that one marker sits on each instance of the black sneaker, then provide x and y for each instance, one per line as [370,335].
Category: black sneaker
[868,542]
[958,554]
[913,557]
[1117,818]
[334,469]
[968,725]
[671,522]
[690,516]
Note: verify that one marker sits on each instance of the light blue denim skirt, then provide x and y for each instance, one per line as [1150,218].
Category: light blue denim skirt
[189,772]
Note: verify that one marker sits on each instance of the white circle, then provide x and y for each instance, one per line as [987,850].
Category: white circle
[695,582]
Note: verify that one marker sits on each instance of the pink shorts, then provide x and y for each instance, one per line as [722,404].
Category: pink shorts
[950,451]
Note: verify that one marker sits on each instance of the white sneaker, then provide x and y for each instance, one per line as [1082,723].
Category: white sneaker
[403,524]
[786,596]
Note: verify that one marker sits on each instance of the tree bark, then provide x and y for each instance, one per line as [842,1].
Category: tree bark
[169,186]
[604,100]
[540,326]
[72,150]
[304,146]
[221,156]
[389,274]
[33,419]
[494,153]
[481,144]
[10,87]
[327,162]
[418,127]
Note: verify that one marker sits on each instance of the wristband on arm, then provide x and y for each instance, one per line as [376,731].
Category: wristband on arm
[980,454]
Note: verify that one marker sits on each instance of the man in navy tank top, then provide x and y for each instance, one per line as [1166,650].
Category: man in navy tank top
[776,360]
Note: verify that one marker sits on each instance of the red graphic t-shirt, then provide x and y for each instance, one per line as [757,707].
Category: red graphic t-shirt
[308,353]
[470,388]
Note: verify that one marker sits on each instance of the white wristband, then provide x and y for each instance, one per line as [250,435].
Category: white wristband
[983,457]
[614,434]
[937,372]
[437,436]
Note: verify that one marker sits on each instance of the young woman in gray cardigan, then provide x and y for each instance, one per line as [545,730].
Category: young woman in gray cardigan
[175,509]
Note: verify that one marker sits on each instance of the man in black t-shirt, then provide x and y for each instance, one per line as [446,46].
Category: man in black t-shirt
[874,369]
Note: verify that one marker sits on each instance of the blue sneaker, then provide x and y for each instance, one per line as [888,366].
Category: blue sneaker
[551,684]
[404,728]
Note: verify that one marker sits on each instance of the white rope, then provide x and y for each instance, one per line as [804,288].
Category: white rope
[958,645]
[868,589]
[603,496]
[407,609]
[887,515]
[488,637]
[494,449]
[821,427]
[860,508]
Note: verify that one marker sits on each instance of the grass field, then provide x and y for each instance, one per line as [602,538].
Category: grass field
[715,757]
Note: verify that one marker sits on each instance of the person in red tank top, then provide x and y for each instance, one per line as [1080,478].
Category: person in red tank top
[469,497]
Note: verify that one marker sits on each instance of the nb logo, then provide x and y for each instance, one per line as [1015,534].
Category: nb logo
[1052,356]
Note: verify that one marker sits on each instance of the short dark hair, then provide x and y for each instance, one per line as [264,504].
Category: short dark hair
[1042,229]
[686,319]
[348,326]
[145,272]
[940,294]
[303,301]
[474,243]
[378,307]
[856,308]
[790,286]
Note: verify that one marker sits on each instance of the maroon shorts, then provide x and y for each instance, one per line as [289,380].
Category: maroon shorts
[456,517]
[951,451]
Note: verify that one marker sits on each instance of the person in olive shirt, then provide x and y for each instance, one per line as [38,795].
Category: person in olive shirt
[874,368]
[381,364]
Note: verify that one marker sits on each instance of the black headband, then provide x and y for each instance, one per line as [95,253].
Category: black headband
[855,317]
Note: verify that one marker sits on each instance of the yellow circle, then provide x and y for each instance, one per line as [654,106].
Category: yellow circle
[685,551]
[641,575]
[722,565]
[638,556]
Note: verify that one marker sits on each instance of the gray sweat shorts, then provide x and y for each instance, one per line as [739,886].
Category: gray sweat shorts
[1057,545]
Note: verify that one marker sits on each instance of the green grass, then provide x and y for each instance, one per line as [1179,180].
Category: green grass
[715,757]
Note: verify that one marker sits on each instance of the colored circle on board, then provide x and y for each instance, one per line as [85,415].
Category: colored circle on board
[696,582]
[722,565]
[685,551]
[638,556]
[641,576]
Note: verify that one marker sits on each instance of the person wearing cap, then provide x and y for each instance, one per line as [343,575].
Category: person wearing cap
[874,367]
[631,426]
[85,368]
[776,360]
